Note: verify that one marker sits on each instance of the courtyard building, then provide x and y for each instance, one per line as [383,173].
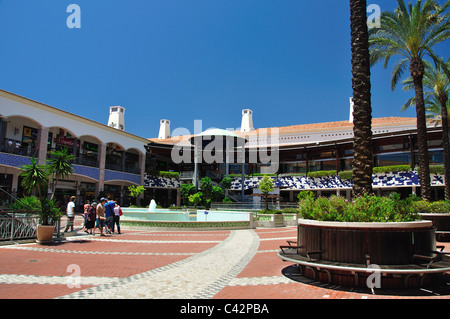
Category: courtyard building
[108,159]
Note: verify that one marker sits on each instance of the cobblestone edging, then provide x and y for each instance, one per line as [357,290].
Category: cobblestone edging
[199,276]
[66,251]
[53,280]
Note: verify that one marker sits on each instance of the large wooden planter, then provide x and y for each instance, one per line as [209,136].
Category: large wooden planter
[442,223]
[384,244]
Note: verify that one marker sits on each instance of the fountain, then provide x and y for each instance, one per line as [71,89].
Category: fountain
[152,206]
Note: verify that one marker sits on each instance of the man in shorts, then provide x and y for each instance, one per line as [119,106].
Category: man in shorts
[109,215]
[101,215]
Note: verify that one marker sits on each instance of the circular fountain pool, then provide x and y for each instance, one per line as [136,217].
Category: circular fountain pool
[184,219]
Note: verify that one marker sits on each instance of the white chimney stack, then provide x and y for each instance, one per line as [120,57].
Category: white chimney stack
[117,117]
[352,105]
[164,129]
[247,120]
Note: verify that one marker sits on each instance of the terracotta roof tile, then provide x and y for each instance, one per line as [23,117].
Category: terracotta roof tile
[303,128]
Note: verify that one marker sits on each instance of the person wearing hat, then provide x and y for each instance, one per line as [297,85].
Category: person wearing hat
[101,215]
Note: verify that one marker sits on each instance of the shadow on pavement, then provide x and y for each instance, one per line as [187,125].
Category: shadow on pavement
[441,288]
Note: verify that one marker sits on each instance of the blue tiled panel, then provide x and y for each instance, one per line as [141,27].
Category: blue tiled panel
[91,172]
[333,182]
[161,182]
[14,160]
[306,183]
[122,176]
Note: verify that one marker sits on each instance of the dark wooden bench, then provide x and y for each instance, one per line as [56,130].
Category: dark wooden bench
[436,255]
[437,262]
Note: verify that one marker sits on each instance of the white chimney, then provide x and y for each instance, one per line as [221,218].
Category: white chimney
[247,120]
[352,105]
[164,129]
[117,117]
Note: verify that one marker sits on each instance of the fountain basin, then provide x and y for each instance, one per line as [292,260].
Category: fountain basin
[201,219]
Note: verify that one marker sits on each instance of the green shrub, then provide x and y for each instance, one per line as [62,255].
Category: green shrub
[392,168]
[319,174]
[269,211]
[227,200]
[422,206]
[344,175]
[196,198]
[26,203]
[305,195]
[435,169]
[366,208]
[167,174]
[290,210]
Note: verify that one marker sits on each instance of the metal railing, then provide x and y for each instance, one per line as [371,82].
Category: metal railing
[16,147]
[19,226]
[14,226]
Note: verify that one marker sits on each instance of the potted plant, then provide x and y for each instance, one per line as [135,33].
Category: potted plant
[439,213]
[49,213]
[36,179]
[366,230]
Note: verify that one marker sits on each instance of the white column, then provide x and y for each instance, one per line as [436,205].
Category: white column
[42,145]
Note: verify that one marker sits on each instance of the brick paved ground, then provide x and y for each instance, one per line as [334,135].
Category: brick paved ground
[31,271]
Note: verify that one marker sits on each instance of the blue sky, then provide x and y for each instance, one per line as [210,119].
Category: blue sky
[186,60]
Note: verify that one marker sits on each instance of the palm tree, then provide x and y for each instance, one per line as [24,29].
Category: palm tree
[59,166]
[436,101]
[35,177]
[362,111]
[411,32]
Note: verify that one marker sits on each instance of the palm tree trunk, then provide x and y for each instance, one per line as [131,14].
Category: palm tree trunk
[417,72]
[362,112]
[446,145]
[54,180]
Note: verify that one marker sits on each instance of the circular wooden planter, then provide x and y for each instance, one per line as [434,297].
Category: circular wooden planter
[364,243]
[442,223]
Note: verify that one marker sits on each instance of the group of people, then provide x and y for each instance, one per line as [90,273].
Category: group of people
[104,216]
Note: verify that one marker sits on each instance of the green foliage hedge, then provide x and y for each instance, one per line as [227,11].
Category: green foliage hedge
[435,169]
[366,208]
[319,174]
[433,207]
[392,168]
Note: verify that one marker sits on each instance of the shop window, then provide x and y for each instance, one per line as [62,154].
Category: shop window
[392,159]
[314,166]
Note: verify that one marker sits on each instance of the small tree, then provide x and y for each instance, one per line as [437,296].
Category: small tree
[216,194]
[226,184]
[195,199]
[186,191]
[206,187]
[266,186]
[135,191]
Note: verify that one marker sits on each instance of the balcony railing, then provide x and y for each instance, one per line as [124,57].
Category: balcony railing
[126,169]
[11,146]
